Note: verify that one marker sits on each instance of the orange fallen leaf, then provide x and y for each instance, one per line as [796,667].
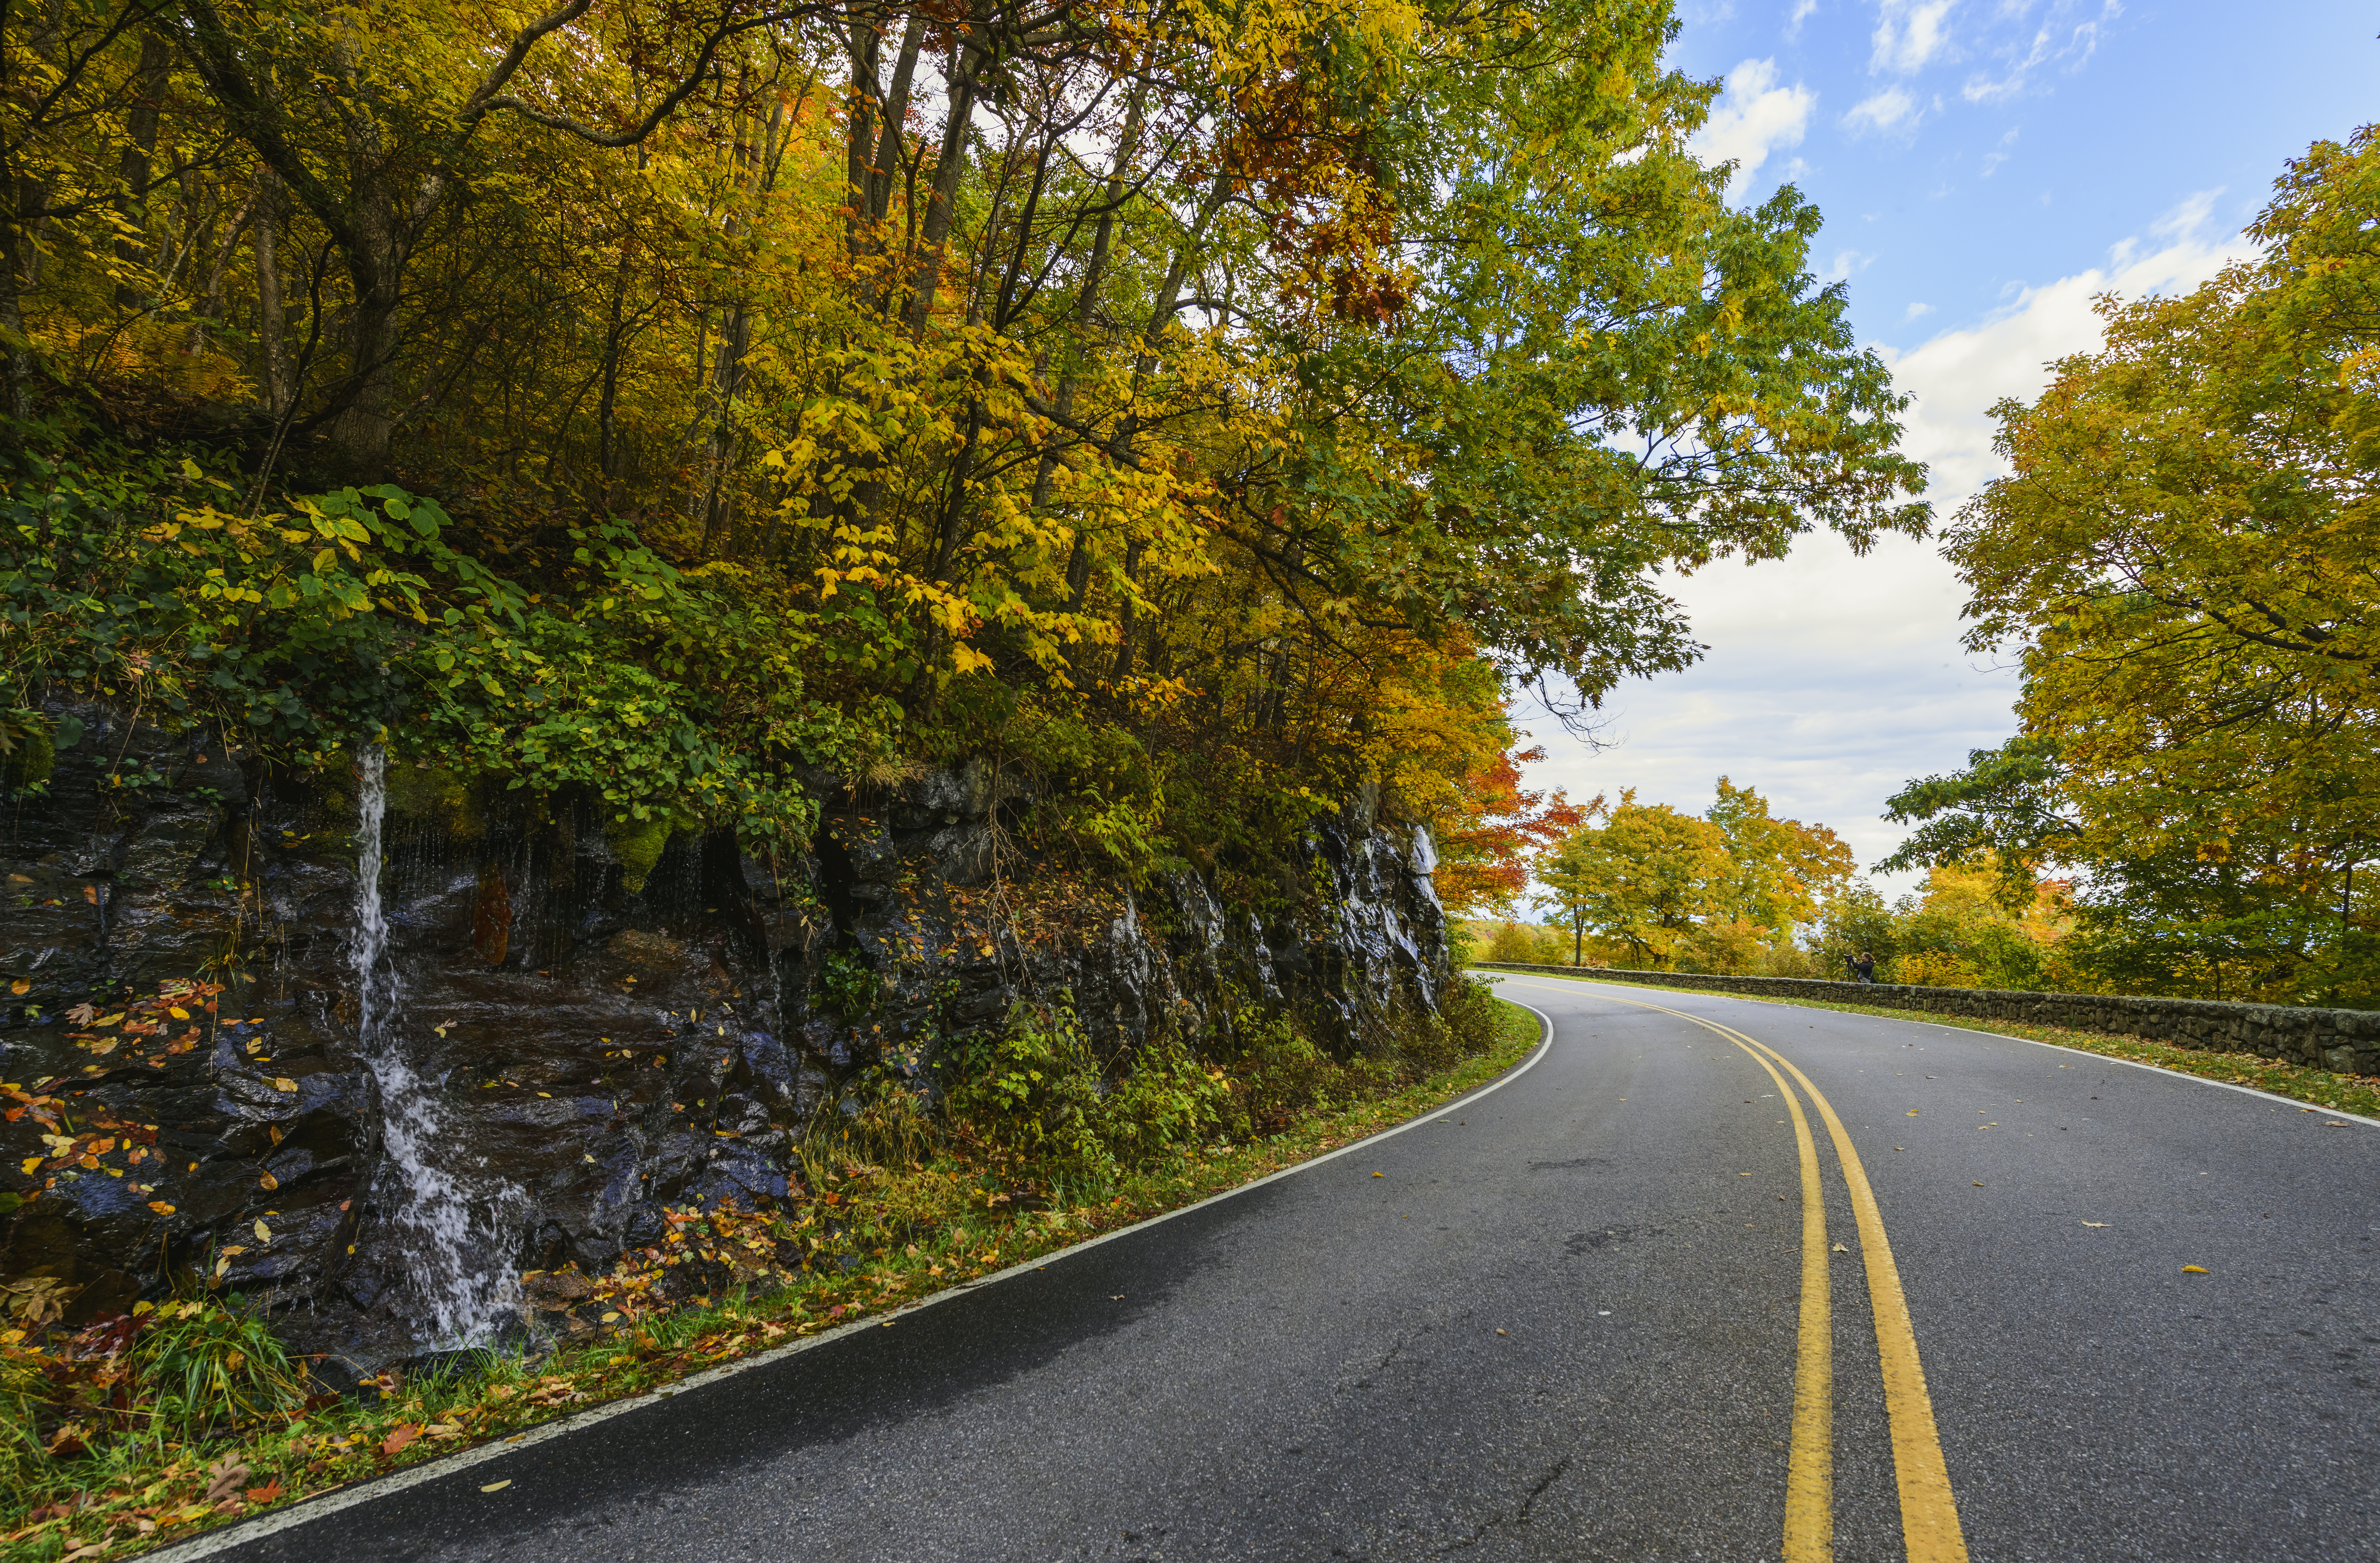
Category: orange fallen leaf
[405,1434]
[265,1493]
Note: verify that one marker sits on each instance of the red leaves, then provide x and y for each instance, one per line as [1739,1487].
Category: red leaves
[1483,861]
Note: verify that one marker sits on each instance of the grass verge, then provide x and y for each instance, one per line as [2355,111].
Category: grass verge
[944,1222]
[2358,1094]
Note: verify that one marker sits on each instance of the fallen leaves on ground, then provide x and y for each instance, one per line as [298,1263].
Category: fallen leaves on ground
[225,1476]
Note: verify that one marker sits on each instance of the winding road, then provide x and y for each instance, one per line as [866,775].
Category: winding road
[1708,1279]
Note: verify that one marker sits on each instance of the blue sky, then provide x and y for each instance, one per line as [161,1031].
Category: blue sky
[1985,166]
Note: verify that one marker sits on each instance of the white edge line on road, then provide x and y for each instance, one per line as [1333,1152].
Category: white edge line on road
[366,1491]
[1973,1031]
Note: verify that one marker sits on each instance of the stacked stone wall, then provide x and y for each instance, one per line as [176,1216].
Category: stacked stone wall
[2345,1040]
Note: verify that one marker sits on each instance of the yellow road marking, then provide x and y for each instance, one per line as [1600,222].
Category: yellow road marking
[1810,1471]
[1929,1510]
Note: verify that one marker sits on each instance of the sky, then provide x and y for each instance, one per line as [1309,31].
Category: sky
[1986,167]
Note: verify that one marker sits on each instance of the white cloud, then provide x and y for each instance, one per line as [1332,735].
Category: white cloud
[1755,117]
[1999,153]
[1917,311]
[1888,109]
[2055,42]
[1832,681]
[1848,264]
[2188,215]
[1959,374]
[1910,33]
[1802,11]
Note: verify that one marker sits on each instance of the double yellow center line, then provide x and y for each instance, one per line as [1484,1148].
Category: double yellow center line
[1929,1514]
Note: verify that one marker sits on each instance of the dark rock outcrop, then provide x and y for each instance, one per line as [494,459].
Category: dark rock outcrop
[585,1024]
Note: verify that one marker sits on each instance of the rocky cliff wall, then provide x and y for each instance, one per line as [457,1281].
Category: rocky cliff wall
[460,1033]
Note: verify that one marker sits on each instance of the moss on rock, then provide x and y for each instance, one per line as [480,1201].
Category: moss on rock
[34,756]
[638,845]
[448,797]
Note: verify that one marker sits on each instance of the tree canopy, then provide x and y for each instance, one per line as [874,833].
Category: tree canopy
[2186,556]
[663,399]
[1657,884]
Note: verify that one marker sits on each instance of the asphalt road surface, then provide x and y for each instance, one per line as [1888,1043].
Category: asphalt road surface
[1596,1315]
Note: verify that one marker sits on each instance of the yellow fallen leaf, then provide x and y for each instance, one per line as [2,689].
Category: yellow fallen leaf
[2194,1269]
[263,1233]
[177,1011]
[31,1165]
[269,1181]
[1842,1248]
[1380,1174]
[1911,1113]
[21,986]
[497,1486]
[160,1208]
[2095,1223]
[280,1085]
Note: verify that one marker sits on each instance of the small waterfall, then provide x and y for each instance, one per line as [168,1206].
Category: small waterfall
[453,1241]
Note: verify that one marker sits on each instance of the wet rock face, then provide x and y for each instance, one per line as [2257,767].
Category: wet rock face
[569,1033]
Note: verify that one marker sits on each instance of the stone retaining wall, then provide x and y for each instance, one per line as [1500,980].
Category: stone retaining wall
[2344,1040]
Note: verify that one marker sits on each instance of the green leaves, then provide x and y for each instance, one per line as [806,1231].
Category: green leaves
[2184,554]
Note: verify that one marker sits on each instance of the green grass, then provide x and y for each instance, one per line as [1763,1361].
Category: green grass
[2356,1093]
[131,1493]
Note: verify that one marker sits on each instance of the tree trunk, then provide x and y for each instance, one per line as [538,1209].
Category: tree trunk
[271,339]
[375,257]
[132,170]
[896,113]
[935,230]
[863,44]
[1130,615]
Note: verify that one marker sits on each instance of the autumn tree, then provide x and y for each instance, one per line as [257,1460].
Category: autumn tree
[1218,411]
[1483,861]
[1646,878]
[2184,555]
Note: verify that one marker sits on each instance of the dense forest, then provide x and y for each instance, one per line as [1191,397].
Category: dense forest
[670,402]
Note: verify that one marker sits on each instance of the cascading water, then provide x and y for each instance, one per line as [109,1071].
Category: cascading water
[453,1237]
